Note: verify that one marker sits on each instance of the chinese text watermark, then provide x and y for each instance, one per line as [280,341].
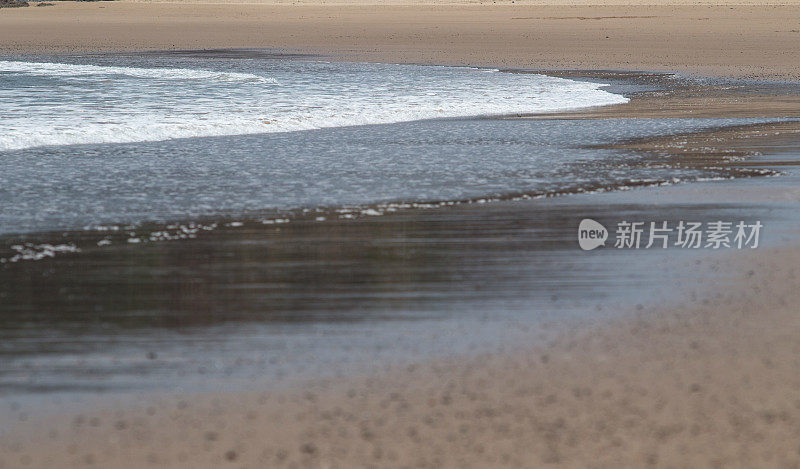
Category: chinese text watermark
[663,234]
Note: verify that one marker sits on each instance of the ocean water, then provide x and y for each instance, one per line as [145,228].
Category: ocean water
[91,141]
[114,139]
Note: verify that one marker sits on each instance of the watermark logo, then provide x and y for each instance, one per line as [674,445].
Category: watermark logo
[661,235]
[591,234]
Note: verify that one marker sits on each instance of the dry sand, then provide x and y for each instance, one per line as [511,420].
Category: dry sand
[740,40]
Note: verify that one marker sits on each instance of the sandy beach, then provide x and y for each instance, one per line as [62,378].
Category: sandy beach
[706,379]
[705,37]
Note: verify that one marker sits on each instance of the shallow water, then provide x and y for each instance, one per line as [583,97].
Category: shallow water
[257,307]
[250,305]
[69,187]
[56,174]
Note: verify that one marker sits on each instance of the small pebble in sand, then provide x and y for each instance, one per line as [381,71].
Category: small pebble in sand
[308,448]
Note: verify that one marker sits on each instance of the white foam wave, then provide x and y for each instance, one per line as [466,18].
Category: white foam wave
[76,70]
[313,97]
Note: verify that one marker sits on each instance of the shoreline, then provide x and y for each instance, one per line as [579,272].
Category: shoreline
[664,96]
[656,384]
[729,150]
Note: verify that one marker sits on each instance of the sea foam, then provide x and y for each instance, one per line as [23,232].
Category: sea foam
[161,73]
[66,104]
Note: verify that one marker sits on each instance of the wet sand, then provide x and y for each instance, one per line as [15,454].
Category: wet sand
[666,96]
[712,382]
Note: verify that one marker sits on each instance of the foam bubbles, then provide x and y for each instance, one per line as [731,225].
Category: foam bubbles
[67,103]
[78,70]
